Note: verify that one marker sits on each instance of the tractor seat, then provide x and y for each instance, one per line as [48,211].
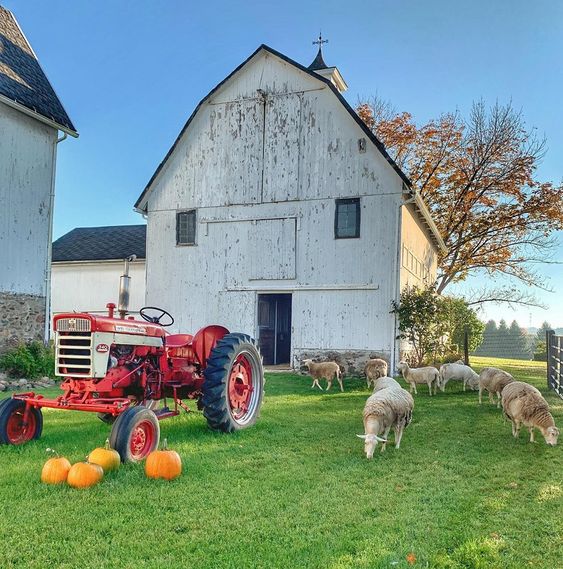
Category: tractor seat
[178,340]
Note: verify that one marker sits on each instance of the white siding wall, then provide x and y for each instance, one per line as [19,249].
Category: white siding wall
[27,154]
[89,286]
[288,162]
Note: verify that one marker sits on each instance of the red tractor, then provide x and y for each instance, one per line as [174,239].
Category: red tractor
[122,368]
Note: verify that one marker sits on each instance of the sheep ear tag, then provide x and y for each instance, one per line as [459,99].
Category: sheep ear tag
[361,436]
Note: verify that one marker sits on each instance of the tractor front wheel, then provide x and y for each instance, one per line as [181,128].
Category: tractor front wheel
[135,434]
[15,427]
[233,388]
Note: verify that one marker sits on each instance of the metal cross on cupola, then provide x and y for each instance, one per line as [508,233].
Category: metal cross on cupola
[318,62]
[321,68]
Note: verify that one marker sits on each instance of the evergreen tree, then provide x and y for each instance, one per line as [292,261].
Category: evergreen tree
[489,340]
[518,347]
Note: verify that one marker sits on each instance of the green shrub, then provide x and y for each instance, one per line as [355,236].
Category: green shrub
[30,360]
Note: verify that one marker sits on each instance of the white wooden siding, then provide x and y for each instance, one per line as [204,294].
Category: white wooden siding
[89,286]
[272,249]
[27,154]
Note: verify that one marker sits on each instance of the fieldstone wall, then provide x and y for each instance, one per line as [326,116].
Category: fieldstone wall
[22,319]
[352,361]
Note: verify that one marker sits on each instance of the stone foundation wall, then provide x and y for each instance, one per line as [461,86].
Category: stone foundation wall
[22,319]
[353,361]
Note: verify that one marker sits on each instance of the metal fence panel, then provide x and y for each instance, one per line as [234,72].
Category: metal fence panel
[554,345]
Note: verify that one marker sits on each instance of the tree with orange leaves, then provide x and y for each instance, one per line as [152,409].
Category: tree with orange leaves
[478,177]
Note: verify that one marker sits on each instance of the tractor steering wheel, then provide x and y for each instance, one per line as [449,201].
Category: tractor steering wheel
[156,319]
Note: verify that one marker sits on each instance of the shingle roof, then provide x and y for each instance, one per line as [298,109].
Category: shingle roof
[101,243]
[21,78]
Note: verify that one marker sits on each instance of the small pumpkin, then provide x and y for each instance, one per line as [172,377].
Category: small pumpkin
[164,463]
[106,457]
[55,470]
[84,475]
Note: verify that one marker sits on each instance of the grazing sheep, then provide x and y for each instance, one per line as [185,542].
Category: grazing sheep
[494,380]
[374,369]
[460,372]
[383,382]
[428,375]
[324,370]
[390,407]
[523,404]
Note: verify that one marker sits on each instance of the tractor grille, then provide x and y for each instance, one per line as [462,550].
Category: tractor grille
[74,353]
[73,325]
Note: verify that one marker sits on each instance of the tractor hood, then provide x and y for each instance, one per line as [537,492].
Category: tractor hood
[84,322]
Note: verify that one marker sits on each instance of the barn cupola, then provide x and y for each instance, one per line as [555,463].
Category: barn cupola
[321,68]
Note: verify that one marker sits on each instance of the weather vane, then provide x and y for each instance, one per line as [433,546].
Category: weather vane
[320,41]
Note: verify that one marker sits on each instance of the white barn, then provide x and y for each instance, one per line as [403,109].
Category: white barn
[31,116]
[87,263]
[278,213]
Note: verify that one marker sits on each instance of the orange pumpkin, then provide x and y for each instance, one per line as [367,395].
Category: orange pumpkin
[105,457]
[55,470]
[164,463]
[84,475]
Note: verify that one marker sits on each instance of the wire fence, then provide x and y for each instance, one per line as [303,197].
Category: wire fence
[554,345]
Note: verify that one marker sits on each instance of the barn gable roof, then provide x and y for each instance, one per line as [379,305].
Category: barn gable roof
[101,243]
[141,205]
[23,83]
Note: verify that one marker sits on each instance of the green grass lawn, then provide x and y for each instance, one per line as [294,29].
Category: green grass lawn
[297,490]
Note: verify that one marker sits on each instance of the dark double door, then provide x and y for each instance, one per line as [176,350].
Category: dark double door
[274,328]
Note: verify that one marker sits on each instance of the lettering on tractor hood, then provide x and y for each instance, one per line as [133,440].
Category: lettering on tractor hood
[131,329]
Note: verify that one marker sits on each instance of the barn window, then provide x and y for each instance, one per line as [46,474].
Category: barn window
[185,227]
[347,218]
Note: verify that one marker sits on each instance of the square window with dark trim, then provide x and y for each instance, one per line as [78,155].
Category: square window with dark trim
[347,218]
[185,227]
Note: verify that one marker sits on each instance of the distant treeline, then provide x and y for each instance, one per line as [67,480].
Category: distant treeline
[512,341]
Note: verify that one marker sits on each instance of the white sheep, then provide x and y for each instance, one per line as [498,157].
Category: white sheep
[429,375]
[383,382]
[388,408]
[460,372]
[324,370]
[374,369]
[524,405]
[493,380]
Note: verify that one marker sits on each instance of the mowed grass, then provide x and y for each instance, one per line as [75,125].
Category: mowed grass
[297,491]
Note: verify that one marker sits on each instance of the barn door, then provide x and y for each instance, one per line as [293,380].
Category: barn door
[274,328]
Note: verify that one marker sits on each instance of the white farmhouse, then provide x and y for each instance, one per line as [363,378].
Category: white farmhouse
[278,213]
[87,264]
[31,116]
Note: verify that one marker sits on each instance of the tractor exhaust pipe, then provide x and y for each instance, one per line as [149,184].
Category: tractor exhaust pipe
[124,286]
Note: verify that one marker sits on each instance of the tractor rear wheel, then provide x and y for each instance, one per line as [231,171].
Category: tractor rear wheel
[135,434]
[233,388]
[13,430]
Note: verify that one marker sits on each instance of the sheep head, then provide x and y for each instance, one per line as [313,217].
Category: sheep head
[402,366]
[551,434]
[370,442]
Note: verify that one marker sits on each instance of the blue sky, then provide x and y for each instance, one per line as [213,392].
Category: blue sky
[130,73]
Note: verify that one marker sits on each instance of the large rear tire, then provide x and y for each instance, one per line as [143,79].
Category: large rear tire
[233,388]
[135,434]
[13,430]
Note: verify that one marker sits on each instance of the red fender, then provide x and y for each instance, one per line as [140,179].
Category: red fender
[204,341]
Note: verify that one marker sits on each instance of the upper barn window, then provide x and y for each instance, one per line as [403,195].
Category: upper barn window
[347,218]
[185,227]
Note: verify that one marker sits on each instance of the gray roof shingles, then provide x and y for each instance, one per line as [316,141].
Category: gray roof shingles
[21,78]
[101,243]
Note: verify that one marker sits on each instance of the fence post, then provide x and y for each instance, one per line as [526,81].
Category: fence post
[549,334]
[466,346]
